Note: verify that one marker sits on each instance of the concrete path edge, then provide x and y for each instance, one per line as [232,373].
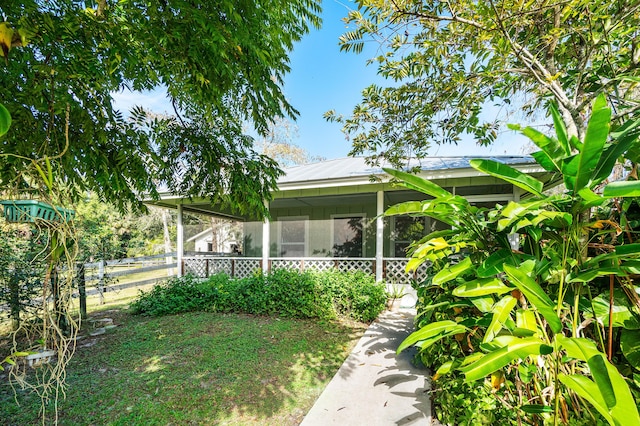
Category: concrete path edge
[374,386]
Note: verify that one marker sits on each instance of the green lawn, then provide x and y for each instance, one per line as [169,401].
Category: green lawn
[196,368]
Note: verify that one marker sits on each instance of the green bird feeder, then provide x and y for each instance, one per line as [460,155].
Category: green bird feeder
[31,211]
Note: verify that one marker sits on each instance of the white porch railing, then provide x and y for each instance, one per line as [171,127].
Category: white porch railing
[240,267]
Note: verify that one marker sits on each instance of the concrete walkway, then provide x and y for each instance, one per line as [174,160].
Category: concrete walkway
[374,386]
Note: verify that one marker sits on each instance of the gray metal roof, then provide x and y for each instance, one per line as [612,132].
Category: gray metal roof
[342,168]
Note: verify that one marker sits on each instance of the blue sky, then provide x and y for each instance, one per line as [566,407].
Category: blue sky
[323,78]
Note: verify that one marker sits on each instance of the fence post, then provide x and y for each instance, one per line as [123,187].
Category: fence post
[101,283]
[82,289]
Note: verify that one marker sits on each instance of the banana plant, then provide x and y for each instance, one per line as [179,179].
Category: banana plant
[532,310]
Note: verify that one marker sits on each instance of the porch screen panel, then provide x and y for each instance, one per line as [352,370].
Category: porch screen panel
[293,238]
[348,236]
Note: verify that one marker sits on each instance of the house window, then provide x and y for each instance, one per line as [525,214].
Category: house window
[348,235]
[406,229]
[293,236]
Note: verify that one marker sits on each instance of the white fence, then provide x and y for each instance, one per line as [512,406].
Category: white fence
[239,267]
[119,274]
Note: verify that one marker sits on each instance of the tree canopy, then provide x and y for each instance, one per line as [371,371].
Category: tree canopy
[447,61]
[222,64]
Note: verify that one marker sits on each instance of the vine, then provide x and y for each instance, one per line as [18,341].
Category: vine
[43,346]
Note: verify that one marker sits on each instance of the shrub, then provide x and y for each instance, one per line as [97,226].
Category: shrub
[354,294]
[177,295]
[283,293]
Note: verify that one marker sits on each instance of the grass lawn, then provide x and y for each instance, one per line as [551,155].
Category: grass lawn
[196,368]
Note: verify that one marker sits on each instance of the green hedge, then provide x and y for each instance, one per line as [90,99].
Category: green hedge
[283,293]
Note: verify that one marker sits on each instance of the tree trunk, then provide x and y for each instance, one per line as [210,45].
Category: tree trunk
[575,127]
[14,302]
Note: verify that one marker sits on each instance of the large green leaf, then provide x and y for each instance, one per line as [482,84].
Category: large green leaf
[409,207]
[628,250]
[625,410]
[598,368]
[610,156]
[494,264]
[630,346]
[5,120]
[481,287]
[501,311]
[417,183]
[451,272]
[588,390]
[483,303]
[516,349]
[535,295]
[526,320]
[629,188]
[509,174]
[515,212]
[553,150]
[591,199]
[543,159]
[594,141]
[432,332]
[586,276]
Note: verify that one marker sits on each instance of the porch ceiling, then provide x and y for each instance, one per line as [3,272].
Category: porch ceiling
[197,206]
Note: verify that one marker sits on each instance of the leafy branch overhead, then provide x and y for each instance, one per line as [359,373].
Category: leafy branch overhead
[462,67]
[222,64]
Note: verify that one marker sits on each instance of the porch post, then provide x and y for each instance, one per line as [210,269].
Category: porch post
[266,227]
[180,242]
[514,239]
[379,235]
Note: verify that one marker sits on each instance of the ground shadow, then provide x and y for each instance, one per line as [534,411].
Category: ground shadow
[194,368]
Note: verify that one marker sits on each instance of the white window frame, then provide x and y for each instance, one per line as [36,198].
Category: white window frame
[362,217]
[283,219]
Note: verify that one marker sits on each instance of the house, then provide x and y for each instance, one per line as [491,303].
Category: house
[328,215]
[220,239]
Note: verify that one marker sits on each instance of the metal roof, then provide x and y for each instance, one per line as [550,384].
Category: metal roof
[351,167]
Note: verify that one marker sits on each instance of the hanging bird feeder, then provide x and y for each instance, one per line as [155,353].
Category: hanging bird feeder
[31,211]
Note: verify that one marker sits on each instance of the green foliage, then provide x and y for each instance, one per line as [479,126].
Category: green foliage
[20,275]
[222,64]
[522,318]
[107,233]
[282,293]
[355,295]
[448,63]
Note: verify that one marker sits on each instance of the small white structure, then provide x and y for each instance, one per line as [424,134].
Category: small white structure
[225,241]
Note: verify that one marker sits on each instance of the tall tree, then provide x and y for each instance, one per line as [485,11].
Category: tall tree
[221,62]
[449,60]
[277,143]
